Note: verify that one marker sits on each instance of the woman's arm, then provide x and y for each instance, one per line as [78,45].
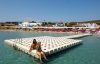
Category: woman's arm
[31,48]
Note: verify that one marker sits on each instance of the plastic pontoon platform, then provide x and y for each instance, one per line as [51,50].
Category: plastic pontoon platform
[49,44]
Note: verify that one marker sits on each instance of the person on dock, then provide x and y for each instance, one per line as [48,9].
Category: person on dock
[37,46]
[40,53]
[33,45]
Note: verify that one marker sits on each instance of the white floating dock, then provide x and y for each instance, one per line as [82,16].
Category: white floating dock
[49,44]
[76,36]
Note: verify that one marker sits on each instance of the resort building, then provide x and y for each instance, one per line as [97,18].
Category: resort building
[90,25]
[29,24]
[60,24]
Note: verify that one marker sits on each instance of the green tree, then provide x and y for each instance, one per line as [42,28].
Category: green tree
[44,23]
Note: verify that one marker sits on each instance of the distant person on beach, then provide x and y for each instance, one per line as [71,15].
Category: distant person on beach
[37,46]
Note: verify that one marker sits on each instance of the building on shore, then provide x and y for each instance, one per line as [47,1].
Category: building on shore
[29,24]
[90,25]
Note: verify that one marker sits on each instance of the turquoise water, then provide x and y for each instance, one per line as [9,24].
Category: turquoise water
[86,53]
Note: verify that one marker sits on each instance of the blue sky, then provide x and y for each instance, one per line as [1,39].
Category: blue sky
[50,10]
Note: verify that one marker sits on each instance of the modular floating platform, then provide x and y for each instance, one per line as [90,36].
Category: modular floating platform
[49,44]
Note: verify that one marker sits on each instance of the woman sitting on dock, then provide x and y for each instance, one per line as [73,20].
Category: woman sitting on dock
[37,46]
[33,46]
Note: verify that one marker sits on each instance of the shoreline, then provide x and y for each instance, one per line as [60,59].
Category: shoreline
[70,33]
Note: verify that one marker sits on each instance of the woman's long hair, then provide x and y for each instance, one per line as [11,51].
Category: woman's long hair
[34,41]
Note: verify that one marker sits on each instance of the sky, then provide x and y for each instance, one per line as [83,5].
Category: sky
[49,10]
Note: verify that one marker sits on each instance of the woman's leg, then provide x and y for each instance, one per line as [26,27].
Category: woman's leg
[40,56]
[44,56]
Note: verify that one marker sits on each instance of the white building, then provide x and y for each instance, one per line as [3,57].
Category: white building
[90,25]
[29,24]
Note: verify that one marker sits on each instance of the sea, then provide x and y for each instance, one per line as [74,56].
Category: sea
[86,53]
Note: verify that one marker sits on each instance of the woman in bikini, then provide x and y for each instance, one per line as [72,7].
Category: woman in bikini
[37,46]
[33,45]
